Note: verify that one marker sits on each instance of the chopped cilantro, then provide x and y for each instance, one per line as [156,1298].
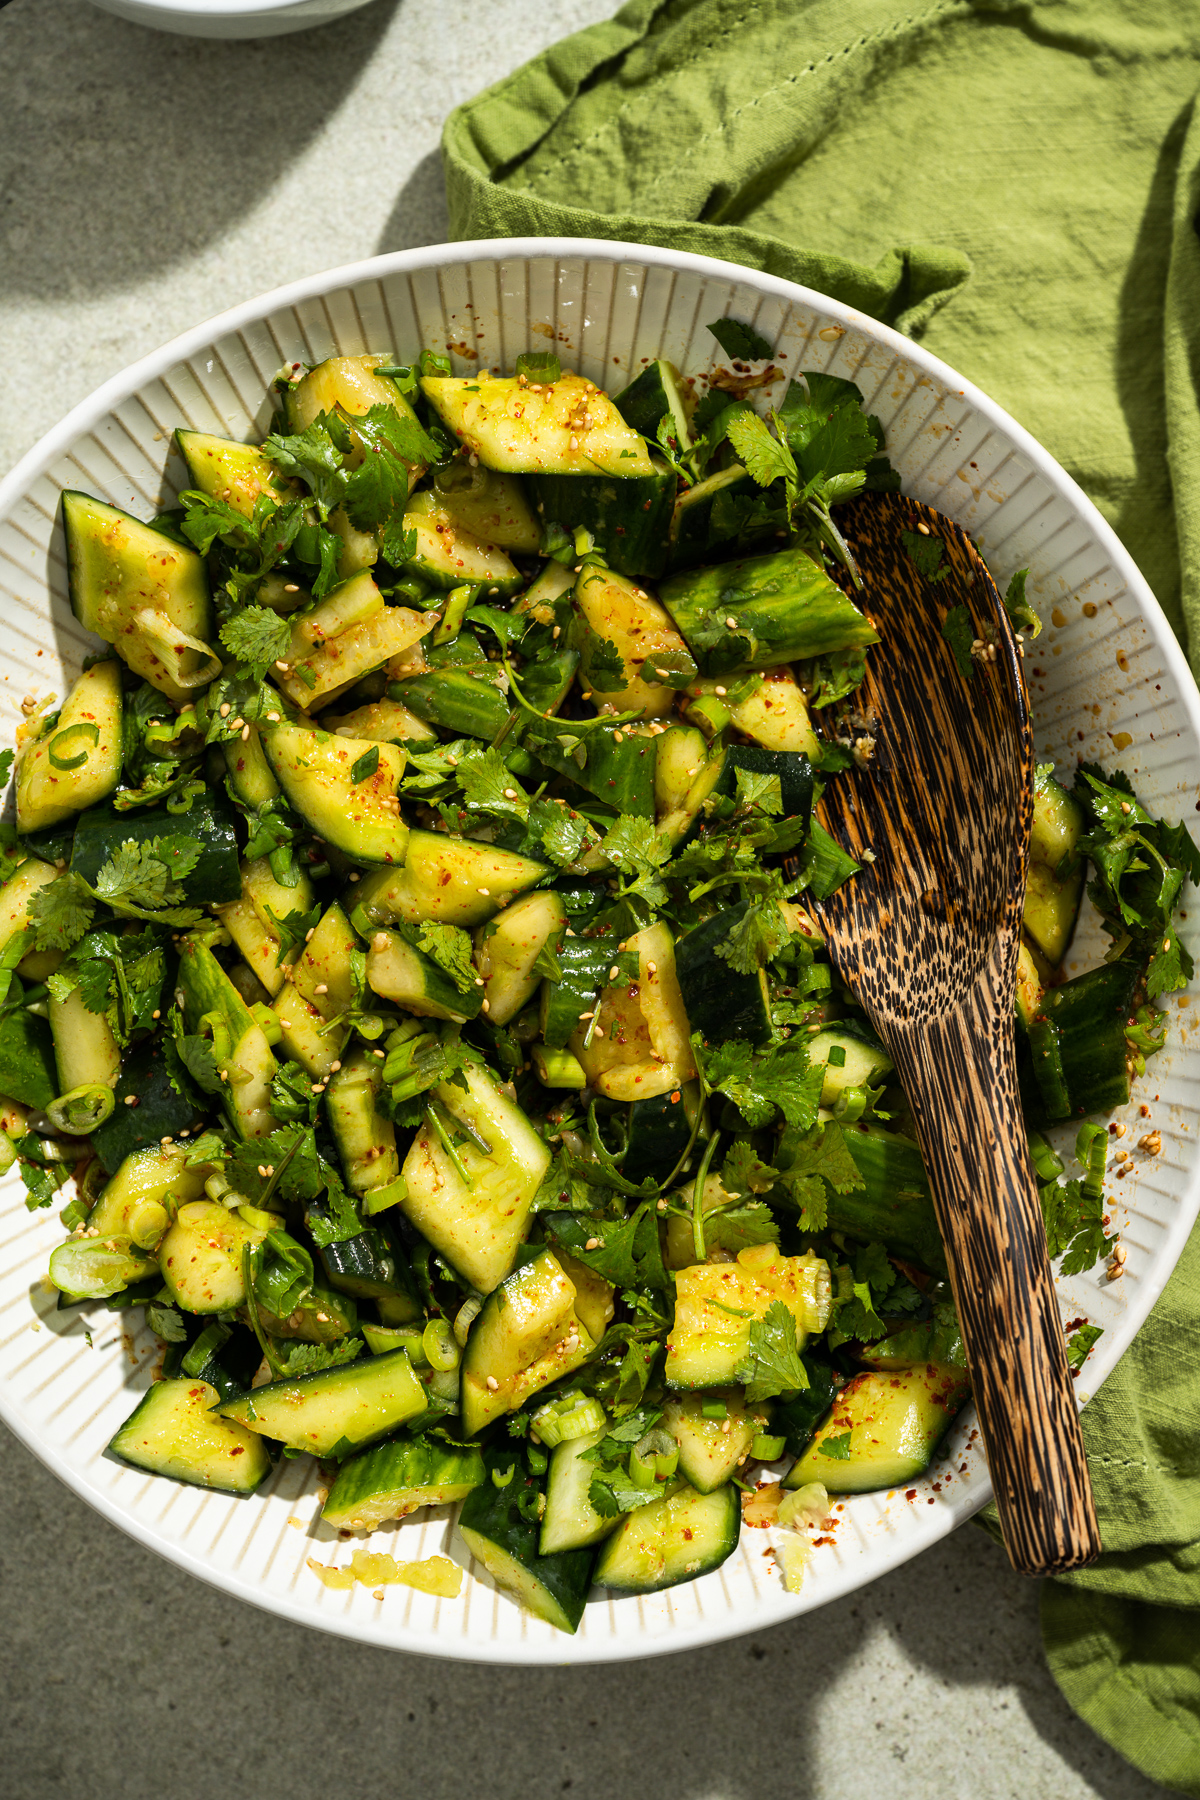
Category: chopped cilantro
[740,341]
[959,632]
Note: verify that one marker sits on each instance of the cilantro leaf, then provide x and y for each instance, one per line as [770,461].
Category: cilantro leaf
[736,1227]
[765,458]
[959,633]
[605,667]
[1081,1343]
[257,637]
[196,1055]
[759,934]
[61,913]
[292,1097]
[837,1448]
[807,1162]
[449,946]
[744,1171]
[772,1364]
[628,1252]
[310,1359]
[489,785]
[740,341]
[336,1222]
[762,1085]
[925,554]
[563,835]
[311,456]
[147,875]
[824,865]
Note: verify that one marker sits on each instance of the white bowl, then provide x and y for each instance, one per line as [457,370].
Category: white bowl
[1107,668]
[229,18]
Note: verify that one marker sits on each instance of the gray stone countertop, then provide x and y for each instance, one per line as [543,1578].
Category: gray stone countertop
[147,182]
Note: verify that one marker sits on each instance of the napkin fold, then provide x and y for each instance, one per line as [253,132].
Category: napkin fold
[1016,182]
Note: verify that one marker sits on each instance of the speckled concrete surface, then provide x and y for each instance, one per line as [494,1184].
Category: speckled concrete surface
[146,182]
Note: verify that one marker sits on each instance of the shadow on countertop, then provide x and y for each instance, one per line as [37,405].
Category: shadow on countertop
[123,146]
[123,1677]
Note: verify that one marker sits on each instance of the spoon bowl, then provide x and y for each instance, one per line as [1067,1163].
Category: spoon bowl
[938,810]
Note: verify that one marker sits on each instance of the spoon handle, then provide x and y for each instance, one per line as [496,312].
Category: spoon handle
[959,1072]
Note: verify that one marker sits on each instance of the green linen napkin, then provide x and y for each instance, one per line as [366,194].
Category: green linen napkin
[1014,181]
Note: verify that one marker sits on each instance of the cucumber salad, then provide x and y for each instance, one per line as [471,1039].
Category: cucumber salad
[410,946]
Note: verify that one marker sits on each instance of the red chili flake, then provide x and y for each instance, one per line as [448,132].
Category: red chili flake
[910,1493]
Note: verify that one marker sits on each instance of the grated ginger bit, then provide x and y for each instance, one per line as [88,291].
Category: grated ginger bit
[376,1570]
[793,1556]
[330,1576]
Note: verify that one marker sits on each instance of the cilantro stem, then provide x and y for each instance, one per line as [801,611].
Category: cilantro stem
[698,1196]
[690,1145]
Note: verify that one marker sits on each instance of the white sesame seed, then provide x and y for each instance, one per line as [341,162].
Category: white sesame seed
[651,968]
[245,733]
[486,891]
[613,972]
[492,1384]
[720,692]
[732,624]
[379,941]
[273,717]
[224,709]
[592,1244]
[322,987]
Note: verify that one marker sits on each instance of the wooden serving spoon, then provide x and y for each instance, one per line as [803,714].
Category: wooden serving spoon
[927,937]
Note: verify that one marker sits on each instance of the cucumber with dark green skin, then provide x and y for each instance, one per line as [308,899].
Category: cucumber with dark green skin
[230,1368]
[704,516]
[793,768]
[394,1479]
[677,1538]
[160,1111]
[893,1207]
[369,1266]
[796,1416]
[1077,1043]
[336,1411]
[659,1129]
[210,820]
[653,395]
[629,519]
[454,699]
[501,1537]
[720,1002]
[894,1423]
[761,611]
[172,1431]
[27,1067]
[617,766]
[546,681]
[584,963]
